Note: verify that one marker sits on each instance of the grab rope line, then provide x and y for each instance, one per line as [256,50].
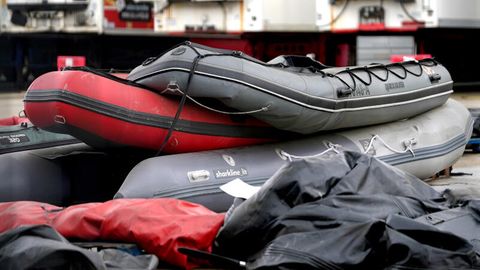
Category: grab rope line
[353,76]
[290,157]
[408,145]
[263,109]
[334,147]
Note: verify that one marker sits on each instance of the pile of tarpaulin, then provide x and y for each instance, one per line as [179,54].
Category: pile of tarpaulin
[338,211]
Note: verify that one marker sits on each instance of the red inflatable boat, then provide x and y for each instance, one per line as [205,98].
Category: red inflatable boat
[107,111]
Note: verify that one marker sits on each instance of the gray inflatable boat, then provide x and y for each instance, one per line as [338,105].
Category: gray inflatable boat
[296,93]
[25,136]
[422,145]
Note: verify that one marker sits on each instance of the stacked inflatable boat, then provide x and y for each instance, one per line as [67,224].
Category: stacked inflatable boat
[107,111]
[212,116]
[297,93]
[207,107]
[421,145]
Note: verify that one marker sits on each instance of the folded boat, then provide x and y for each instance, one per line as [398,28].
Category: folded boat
[422,145]
[296,93]
[107,111]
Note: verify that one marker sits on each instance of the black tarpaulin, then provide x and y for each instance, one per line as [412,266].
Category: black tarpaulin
[42,247]
[340,211]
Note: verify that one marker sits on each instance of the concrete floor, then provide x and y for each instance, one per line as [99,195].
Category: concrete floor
[469,99]
[467,184]
[11,104]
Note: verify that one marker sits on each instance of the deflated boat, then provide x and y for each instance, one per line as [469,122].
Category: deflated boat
[296,93]
[422,145]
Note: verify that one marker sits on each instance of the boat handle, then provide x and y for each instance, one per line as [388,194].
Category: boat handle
[262,109]
[22,114]
[198,176]
[408,144]
[59,119]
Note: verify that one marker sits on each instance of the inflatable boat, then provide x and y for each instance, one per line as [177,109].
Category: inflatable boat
[422,145]
[108,111]
[296,93]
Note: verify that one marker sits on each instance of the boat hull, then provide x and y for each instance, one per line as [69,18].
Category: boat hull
[437,140]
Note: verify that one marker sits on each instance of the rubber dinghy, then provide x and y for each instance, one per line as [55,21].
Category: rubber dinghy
[107,111]
[296,93]
[422,145]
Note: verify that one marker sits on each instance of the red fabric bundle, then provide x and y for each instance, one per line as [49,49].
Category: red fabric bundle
[159,226]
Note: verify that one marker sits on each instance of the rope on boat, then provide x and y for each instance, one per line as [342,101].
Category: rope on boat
[182,101]
[263,109]
[334,147]
[408,145]
[331,148]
